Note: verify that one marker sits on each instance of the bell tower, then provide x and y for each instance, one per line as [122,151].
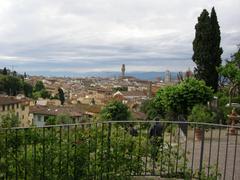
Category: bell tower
[123,70]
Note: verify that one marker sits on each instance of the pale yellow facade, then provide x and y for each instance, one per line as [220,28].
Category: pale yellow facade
[20,108]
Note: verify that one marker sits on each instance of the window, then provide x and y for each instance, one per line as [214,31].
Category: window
[3,108]
[17,105]
[12,106]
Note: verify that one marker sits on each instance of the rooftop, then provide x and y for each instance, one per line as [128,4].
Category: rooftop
[7,100]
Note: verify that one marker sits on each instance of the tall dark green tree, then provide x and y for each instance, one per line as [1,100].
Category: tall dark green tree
[206,47]
[61,95]
[216,49]
[4,71]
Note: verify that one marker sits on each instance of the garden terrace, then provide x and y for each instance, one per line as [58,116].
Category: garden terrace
[107,150]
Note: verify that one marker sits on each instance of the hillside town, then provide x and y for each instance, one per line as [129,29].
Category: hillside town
[83,97]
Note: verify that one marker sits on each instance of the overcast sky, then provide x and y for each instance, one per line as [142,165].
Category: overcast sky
[100,35]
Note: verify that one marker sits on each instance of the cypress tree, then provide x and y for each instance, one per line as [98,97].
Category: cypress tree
[4,71]
[61,95]
[216,49]
[207,53]
[202,47]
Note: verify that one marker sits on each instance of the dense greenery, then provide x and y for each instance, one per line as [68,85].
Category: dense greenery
[201,113]
[100,151]
[9,120]
[115,111]
[39,91]
[59,119]
[231,71]
[39,86]
[206,47]
[153,107]
[179,99]
[12,84]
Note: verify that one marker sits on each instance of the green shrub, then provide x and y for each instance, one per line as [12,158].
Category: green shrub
[202,114]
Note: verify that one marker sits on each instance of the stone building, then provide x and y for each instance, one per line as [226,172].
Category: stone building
[16,105]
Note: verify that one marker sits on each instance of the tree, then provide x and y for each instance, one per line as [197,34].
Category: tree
[115,111]
[40,91]
[12,85]
[51,120]
[4,71]
[216,49]
[202,114]
[9,120]
[187,94]
[39,86]
[27,89]
[45,94]
[153,107]
[180,99]
[207,53]
[231,71]
[64,119]
[235,58]
[61,95]
[25,75]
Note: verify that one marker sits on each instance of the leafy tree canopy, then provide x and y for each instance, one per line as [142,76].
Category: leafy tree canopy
[180,98]
[9,120]
[10,84]
[231,71]
[200,113]
[115,111]
[39,86]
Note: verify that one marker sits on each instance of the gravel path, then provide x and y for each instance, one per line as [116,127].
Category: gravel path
[228,151]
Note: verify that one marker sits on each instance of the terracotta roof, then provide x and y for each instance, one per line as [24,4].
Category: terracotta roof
[6,100]
[55,110]
[98,89]
[89,108]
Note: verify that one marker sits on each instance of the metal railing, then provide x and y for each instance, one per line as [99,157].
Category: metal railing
[121,150]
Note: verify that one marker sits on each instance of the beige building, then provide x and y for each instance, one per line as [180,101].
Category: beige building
[18,106]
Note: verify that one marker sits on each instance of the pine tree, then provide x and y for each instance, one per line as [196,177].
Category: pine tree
[206,47]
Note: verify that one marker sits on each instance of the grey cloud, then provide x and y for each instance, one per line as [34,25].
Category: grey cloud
[100,34]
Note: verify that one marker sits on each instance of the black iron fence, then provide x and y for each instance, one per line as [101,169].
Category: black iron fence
[121,150]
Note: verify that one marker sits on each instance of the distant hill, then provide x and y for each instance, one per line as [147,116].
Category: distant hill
[137,74]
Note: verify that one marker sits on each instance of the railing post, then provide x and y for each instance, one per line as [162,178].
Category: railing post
[109,147]
[201,153]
